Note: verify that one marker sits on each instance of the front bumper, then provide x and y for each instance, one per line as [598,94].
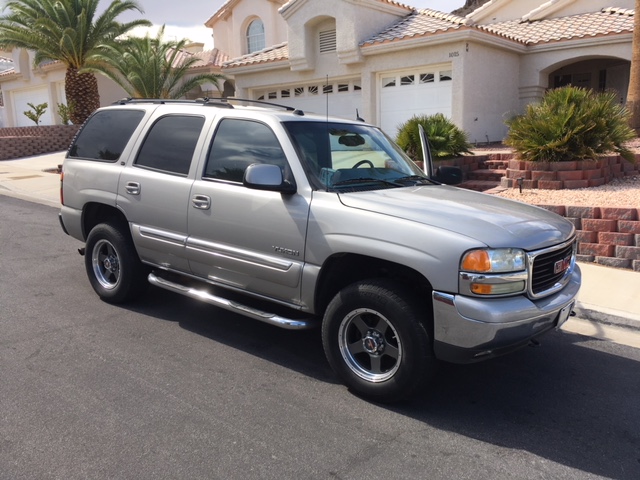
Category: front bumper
[470,329]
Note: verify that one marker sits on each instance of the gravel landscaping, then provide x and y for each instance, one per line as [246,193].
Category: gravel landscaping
[623,193]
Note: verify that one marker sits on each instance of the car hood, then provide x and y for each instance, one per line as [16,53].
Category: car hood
[492,220]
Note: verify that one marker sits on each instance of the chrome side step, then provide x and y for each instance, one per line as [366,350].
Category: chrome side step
[254,313]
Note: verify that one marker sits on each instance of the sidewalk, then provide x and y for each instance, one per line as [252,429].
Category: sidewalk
[608,295]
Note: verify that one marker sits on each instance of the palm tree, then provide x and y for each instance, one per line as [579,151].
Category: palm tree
[633,94]
[152,68]
[69,31]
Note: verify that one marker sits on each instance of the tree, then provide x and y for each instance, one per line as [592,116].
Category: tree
[69,31]
[633,94]
[152,68]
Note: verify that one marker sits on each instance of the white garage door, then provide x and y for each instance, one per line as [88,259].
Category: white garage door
[424,91]
[36,96]
[340,98]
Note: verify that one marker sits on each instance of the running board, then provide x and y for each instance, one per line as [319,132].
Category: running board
[203,295]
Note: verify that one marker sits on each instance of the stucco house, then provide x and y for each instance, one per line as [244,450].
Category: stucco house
[390,61]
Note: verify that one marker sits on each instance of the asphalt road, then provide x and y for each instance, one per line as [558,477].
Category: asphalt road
[168,388]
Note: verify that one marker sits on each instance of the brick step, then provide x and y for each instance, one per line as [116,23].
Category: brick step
[487,174]
[494,165]
[479,185]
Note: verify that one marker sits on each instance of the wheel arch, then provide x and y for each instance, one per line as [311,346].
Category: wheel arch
[95,213]
[341,270]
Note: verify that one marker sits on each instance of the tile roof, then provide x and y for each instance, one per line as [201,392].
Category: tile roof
[389,2]
[271,54]
[214,58]
[608,21]
[418,24]
[426,22]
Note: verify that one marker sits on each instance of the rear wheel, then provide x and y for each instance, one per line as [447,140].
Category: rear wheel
[113,267]
[375,340]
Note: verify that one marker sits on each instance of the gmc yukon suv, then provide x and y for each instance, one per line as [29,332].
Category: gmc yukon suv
[300,221]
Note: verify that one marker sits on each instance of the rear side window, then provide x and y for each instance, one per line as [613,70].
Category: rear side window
[105,135]
[170,144]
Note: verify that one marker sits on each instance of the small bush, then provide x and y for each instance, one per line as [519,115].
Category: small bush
[65,112]
[36,112]
[445,139]
[571,123]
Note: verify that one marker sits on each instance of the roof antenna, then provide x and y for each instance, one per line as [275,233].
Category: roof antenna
[358,117]
[326,92]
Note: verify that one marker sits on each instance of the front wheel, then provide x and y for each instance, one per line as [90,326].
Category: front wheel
[375,340]
[113,267]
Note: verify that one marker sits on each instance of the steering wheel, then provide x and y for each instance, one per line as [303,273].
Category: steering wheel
[362,162]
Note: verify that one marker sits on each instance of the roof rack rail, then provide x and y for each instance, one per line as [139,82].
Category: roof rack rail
[215,102]
[163,101]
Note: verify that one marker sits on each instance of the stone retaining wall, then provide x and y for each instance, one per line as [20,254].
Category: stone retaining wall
[568,175]
[606,235]
[21,142]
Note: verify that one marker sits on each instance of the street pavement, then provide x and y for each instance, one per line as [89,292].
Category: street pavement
[609,297]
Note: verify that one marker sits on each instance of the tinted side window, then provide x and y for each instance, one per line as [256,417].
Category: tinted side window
[238,144]
[105,134]
[170,144]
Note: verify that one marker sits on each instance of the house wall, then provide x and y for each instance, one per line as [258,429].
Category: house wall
[486,93]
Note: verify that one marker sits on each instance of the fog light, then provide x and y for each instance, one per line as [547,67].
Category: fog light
[497,289]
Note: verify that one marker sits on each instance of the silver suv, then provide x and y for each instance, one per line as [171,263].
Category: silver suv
[323,219]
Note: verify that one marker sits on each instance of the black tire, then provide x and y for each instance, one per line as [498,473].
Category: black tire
[114,269]
[375,340]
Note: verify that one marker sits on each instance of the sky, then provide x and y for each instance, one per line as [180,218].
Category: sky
[188,21]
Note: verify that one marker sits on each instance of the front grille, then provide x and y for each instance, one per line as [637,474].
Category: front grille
[551,268]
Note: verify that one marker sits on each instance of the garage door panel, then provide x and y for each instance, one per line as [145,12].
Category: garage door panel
[22,98]
[398,103]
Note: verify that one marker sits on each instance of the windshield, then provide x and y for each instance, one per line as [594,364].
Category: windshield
[349,157]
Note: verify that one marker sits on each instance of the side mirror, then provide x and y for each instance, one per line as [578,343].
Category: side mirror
[448,175]
[260,176]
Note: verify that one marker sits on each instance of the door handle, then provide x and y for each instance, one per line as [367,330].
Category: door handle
[133,188]
[201,202]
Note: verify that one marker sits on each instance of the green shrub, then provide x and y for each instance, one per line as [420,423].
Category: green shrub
[36,112]
[445,139]
[65,112]
[571,123]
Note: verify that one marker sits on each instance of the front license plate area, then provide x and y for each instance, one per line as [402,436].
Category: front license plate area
[564,314]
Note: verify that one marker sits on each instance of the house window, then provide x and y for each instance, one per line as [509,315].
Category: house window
[313,90]
[299,91]
[407,80]
[255,36]
[285,93]
[388,82]
[327,89]
[427,78]
[327,41]
[445,75]
[343,87]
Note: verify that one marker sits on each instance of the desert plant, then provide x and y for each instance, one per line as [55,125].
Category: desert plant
[571,123]
[36,112]
[446,140]
[65,112]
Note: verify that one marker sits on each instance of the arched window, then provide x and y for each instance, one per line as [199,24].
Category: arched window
[255,36]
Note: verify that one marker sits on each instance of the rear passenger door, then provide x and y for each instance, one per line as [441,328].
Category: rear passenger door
[153,192]
[251,240]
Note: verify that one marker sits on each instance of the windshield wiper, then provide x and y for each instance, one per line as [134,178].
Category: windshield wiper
[417,178]
[355,181]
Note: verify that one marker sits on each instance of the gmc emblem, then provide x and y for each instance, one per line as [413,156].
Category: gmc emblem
[562,265]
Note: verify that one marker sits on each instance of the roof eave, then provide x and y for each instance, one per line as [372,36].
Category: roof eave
[440,38]
[257,67]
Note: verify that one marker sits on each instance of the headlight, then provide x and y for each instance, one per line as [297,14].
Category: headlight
[493,271]
[497,260]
